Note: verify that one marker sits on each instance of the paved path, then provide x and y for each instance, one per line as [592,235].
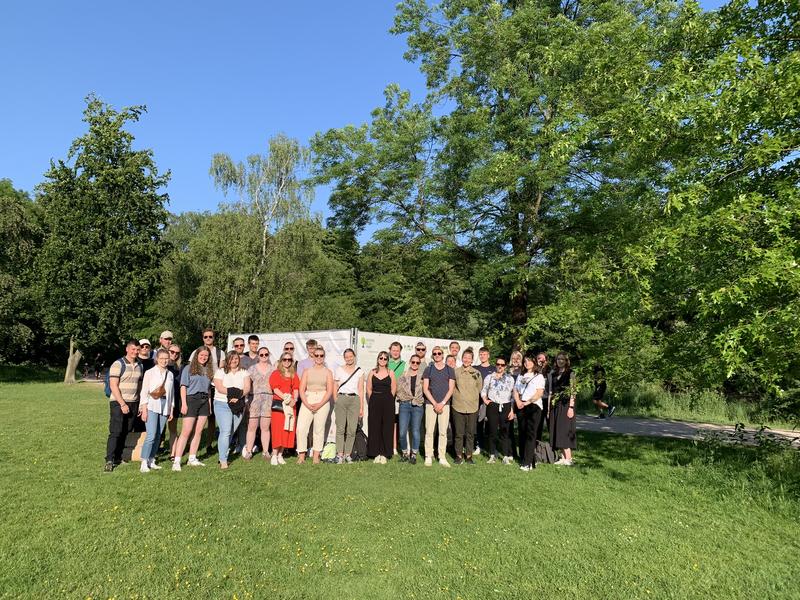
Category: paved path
[667,428]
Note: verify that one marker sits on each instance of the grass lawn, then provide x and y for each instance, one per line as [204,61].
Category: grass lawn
[638,518]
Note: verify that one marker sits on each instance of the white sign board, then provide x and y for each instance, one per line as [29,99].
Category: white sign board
[335,342]
[369,344]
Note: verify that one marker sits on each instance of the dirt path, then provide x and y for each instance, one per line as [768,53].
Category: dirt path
[674,429]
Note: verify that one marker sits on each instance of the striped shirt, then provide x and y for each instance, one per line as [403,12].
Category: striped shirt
[131,380]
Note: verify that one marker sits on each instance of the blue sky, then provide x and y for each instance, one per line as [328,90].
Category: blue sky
[216,77]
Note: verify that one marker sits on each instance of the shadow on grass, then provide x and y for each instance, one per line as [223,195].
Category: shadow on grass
[30,374]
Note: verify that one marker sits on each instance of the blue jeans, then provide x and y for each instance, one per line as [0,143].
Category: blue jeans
[227,423]
[155,427]
[409,412]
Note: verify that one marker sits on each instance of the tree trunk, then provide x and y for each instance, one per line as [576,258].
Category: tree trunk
[72,362]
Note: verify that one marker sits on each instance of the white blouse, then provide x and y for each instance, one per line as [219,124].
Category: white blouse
[153,379]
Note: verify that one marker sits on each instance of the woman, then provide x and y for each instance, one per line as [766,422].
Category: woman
[562,416]
[528,399]
[412,408]
[599,376]
[466,400]
[232,384]
[517,442]
[174,366]
[496,395]
[438,384]
[195,382]
[260,413]
[349,392]
[155,407]
[381,388]
[515,368]
[316,390]
[285,386]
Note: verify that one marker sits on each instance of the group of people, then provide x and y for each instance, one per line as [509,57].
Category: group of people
[255,404]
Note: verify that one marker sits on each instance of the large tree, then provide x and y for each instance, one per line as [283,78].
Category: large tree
[104,212]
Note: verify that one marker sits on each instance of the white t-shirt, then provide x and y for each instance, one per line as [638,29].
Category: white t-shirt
[351,387]
[233,379]
[527,386]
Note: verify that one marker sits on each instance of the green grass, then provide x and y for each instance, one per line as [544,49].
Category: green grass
[30,374]
[704,406]
[638,518]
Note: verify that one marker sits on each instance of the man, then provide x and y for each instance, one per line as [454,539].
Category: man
[485,368]
[438,383]
[420,351]
[217,362]
[145,354]
[164,341]
[250,357]
[466,398]
[398,366]
[125,380]
[454,348]
[238,346]
[307,363]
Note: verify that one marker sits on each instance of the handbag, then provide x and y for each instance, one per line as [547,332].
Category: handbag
[160,391]
[237,406]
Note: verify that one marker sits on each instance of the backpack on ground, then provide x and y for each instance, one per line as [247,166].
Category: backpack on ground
[544,453]
[107,386]
[360,444]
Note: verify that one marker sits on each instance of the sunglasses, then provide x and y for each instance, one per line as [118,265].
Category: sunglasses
[437,353]
[383,358]
[500,364]
[238,345]
[263,354]
[420,349]
[286,360]
[175,352]
[208,337]
[414,362]
[289,348]
[319,356]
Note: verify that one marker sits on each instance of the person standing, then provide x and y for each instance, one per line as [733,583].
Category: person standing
[438,383]
[528,391]
[412,408]
[396,365]
[485,368]
[232,384]
[562,389]
[174,366]
[259,411]
[517,441]
[454,348]
[381,389]
[250,357]
[349,406]
[195,381]
[155,407]
[217,362]
[124,380]
[419,352]
[466,398]
[165,340]
[496,395]
[544,369]
[308,362]
[146,354]
[285,386]
[316,391]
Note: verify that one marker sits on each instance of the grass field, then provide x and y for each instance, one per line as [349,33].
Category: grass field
[637,518]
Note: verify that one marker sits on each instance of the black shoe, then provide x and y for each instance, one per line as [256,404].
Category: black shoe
[404,458]
[459,460]
[601,416]
[412,459]
[109,467]
[611,410]
[470,461]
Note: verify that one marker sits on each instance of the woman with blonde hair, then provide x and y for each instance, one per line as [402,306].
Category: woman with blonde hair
[232,384]
[285,385]
[155,407]
[316,391]
[195,406]
[381,388]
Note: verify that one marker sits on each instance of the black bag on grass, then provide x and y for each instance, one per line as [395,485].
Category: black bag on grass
[544,453]
[360,444]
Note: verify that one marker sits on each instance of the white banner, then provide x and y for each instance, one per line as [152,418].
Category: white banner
[369,344]
[335,342]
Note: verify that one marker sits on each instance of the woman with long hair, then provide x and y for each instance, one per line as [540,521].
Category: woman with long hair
[260,413]
[381,388]
[316,391]
[232,384]
[528,392]
[195,382]
[562,406]
[349,392]
[285,386]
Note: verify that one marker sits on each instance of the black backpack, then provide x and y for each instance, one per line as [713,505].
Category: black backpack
[360,444]
[544,453]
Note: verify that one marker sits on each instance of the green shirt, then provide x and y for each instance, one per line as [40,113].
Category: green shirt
[398,366]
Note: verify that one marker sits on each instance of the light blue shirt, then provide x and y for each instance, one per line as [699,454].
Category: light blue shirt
[498,389]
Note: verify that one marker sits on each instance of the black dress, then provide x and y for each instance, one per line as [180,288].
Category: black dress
[381,418]
[562,428]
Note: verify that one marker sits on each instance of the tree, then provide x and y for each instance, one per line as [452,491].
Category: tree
[103,218]
[21,234]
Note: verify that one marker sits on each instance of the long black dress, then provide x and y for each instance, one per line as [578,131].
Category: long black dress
[562,428]
[381,418]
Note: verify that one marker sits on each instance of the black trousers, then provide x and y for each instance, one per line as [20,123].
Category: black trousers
[381,426]
[497,421]
[119,426]
[544,418]
[464,425]
[531,416]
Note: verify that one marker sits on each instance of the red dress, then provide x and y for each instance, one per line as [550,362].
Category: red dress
[281,385]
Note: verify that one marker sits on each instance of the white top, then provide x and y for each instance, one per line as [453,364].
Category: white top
[527,385]
[351,387]
[153,378]
[233,379]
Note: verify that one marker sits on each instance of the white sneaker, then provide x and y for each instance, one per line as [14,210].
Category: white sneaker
[491,460]
[525,468]
[507,460]
[193,462]
[144,468]
[246,455]
[153,466]
[378,460]
[274,460]
[176,466]
[428,461]
[444,463]
[348,460]
[477,451]
[563,462]
[280,460]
